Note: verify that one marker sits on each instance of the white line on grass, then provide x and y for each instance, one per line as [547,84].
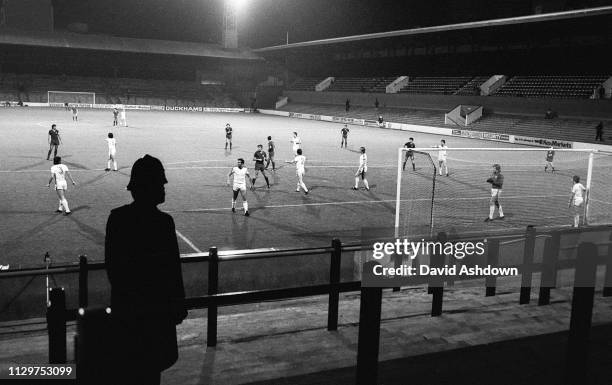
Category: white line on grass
[188,242]
[484,197]
[183,168]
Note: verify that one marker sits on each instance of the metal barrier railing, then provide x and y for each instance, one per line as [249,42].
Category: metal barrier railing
[371,298]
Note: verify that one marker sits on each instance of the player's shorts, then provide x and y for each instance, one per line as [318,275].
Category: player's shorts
[239,187]
[300,172]
[578,201]
[271,155]
[259,167]
[362,173]
[228,136]
[442,161]
[112,153]
[409,155]
[295,148]
[495,194]
[61,185]
[54,143]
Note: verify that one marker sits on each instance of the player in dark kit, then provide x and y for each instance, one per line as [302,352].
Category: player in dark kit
[115,117]
[54,141]
[550,156]
[228,136]
[270,154]
[409,154]
[344,131]
[259,157]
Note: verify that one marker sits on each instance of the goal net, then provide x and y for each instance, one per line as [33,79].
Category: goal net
[62,97]
[428,202]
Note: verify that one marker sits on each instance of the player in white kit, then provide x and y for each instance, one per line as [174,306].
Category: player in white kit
[577,199]
[123,117]
[296,143]
[442,155]
[59,172]
[300,170]
[241,176]
[363,169]
[112,151]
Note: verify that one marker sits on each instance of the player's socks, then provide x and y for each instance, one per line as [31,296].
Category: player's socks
[576,220]
[404,167]
[491,212]
[267,181]
[245,205]
[233,206]
[60,208]
[65,204]
[413,167]
[115,165]
[501,212]
[356,183]
[365,182]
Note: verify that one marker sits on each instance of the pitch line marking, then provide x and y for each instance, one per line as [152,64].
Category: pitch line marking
[484,197]
[182,168]
[188,242]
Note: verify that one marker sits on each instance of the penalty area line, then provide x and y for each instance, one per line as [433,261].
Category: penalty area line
[483,197]
[188,242]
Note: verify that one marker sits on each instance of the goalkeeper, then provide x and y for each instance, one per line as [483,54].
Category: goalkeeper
[497,182]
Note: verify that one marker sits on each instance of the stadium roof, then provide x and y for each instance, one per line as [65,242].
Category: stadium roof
[120,44]
[574,14]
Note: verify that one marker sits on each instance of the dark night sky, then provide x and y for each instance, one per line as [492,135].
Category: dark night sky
[265,22]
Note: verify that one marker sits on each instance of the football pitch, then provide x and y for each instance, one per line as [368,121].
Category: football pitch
[191,147]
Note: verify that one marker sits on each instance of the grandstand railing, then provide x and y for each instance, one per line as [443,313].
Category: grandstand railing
[370,314]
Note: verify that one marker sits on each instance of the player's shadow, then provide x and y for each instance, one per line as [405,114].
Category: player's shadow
[31,165]
[240,231]
[87,231]
[353,150]
[75,165]
[94,180]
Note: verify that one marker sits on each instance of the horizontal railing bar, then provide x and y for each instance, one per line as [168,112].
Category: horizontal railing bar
[231,255]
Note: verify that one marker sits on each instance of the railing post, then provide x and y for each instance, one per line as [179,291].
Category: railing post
[56,326]
[607,290]
[369,333]
[436,283]
[549,267]
[334,289]
[397,262]
[582,313]
[492,260]
[213,288]
[527,273]
[83,285]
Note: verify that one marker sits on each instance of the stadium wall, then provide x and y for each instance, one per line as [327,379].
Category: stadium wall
[592,108]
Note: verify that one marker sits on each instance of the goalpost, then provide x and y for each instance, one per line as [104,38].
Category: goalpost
[71,97]
[427,202]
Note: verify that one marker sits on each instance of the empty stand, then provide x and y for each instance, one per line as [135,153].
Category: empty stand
[579,86]
[305,84]
[473,86]
[33,88]
[436,85]
[342,84]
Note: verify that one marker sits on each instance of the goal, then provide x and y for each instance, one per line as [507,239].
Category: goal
[62,97]
[428,202]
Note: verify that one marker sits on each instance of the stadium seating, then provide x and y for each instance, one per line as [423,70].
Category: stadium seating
[580,86]
[473,86]
[305,84]
[570,129]
[33,88]
[435,85]
[346,84]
